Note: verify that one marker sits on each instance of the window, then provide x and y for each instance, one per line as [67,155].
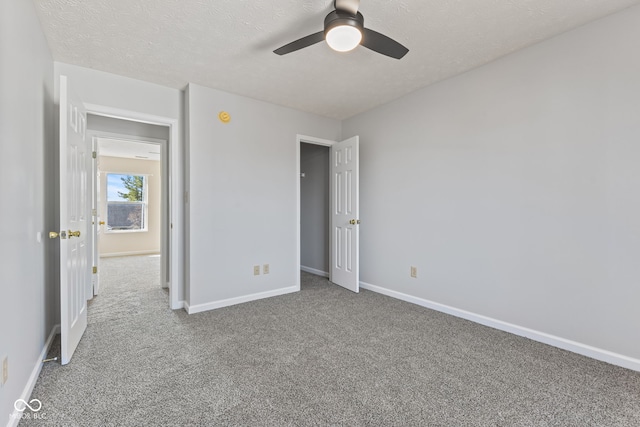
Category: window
[126,202]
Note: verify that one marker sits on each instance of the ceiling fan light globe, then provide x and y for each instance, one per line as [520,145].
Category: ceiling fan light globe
[343,38]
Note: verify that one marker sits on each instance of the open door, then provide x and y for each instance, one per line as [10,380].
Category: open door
[96,223]
[345,248]
[75,216]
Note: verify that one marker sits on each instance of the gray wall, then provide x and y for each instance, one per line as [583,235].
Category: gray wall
[314,207]
[28,288]
[514,188]
[242,193]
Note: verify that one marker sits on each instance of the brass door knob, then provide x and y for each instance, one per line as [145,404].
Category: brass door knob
[53,235]
[101,223]
[74,233]
[354,221]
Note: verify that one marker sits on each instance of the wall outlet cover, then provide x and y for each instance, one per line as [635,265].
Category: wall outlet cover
[256,270]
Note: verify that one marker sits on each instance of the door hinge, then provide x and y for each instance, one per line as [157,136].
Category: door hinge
[95,269]
[94,212]
[94,155]
[186,197]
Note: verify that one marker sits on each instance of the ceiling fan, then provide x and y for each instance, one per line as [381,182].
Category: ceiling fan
[344,30]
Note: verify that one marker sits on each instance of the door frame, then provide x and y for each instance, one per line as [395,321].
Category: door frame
[173,249]
[316,141]
[164,198]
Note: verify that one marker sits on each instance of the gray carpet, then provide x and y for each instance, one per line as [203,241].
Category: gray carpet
[323,356]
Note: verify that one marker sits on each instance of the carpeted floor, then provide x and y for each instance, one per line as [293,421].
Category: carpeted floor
[322,356]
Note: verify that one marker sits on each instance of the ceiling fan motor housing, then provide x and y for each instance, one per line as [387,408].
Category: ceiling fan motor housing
[338,18]
[344,30]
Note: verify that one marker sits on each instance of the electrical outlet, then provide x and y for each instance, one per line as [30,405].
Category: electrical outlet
[265,269]
[5,370]
[414,272]
[256,270]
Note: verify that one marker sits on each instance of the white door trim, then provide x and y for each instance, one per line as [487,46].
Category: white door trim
[175,226]
[309,140]
[93,288]
[123,137]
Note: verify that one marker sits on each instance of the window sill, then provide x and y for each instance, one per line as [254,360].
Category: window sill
[126,231]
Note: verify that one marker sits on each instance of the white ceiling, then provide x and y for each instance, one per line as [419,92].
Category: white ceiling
[228,44]
[128,149]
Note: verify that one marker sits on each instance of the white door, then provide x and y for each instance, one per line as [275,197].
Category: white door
[96,222]
[75,256]
[345,265]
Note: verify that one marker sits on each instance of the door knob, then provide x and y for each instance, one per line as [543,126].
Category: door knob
[74,233]
[101,223]
[354,221]
[55,235]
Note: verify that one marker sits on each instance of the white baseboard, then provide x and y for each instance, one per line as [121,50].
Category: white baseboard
[132,253]
[15,417]
[238,300]
[565,344]
[314,271]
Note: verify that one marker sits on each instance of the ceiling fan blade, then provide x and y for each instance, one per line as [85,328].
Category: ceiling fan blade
[382,44]
[307,41]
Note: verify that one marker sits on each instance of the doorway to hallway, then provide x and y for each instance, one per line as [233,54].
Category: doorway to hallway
[130,197]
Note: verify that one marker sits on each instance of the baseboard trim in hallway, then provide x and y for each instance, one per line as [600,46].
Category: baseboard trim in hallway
[130,253]
[314,271]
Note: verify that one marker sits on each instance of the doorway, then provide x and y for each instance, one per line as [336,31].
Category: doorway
[131,195]
[314,209]
[344,184]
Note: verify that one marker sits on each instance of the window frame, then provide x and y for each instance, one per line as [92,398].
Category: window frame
[144,203]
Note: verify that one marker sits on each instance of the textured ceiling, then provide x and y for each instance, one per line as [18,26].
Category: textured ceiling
[228,44]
